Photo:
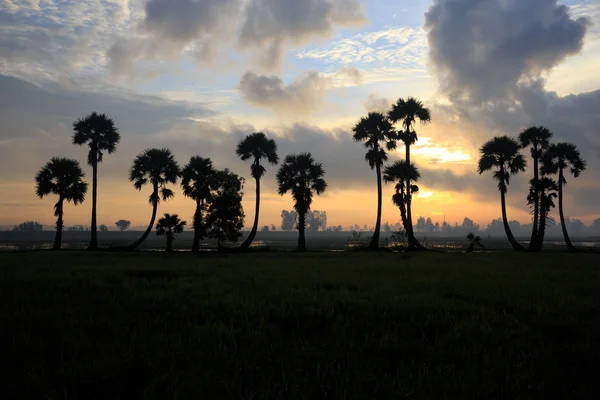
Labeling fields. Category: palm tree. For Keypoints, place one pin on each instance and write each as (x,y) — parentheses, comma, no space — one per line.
(257,147)
(538,137)
(557,158)
(64,178)
(100,134)
(168,226)
(402,172)
(378,135)
(302,176)
(503,152)
(157,166)
(197,180)
(543,191)
(407,112)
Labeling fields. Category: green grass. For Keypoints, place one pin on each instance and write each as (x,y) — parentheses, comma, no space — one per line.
(76,325)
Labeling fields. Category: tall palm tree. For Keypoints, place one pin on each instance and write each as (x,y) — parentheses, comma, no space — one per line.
(100,134)
(503,153)
(302,176)
(378,135)
(256,146)
(159,168)
(64,178)
(538,138)
(197,180)
(557,158)
(168,226)
(402,172)
(407,112)
(544,191)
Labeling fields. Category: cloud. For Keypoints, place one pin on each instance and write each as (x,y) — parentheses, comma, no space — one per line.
(269,24)
(481,50)
(300,96)
(378,104)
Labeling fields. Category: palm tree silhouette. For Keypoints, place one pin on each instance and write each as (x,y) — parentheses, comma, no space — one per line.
(544,191)
(538,137)
(302,176)
(503,152)
(100,134)
(372,130)
(557,158)
(197,180)
(64,178)
(257,147)
(473,240)
(402,172)
(159,168)
(407,112)
(168,226)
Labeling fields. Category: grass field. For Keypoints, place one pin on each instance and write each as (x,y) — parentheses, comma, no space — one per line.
(76,325)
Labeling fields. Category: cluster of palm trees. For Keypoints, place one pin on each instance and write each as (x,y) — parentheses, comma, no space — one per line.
(379,135)
(503,156)
(217,193)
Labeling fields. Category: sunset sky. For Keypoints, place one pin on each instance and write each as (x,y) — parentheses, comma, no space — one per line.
(196,76)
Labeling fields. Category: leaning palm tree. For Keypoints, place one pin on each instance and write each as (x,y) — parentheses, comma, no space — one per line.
(401,172)
(503,153)
(168,226)
(378,135)
(257,147)
(302,176)
(473,241)
(197,181)
(407,112)
(538,138)
(159,168)
(100,134)
(557,158)
(544,191)
(64,178)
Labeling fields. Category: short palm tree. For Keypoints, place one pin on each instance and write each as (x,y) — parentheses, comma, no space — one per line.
(503,153)
(407,112)
(473,241)
(378,135)
(538,138)
(303,177)
(100,134)
(544,191)
(557,158)
(401,172)
(197,179)
(168,226)
(257,147)
(64,178)
(159,168)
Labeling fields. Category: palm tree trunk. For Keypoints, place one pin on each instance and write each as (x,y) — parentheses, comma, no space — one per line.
(561,213)
(197,227)
(375,238)
(94,239)
(301,238)
(151,225)
(534,244)
(59,225)
(413,244)
(541,230)
(252,234)
(516,245)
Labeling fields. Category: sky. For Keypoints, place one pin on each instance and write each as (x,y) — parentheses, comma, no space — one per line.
(196,76)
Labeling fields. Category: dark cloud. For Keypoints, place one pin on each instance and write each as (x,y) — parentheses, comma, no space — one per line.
(482,49)
(271,23)
(300,96)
